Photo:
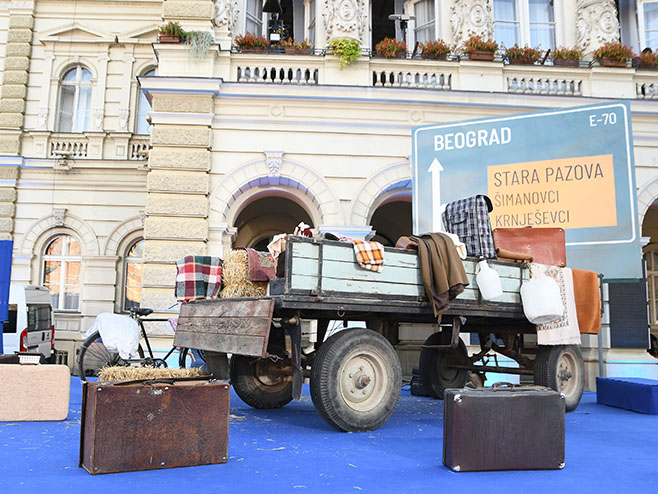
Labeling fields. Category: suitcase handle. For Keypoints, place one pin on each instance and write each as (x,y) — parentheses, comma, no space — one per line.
(162,380)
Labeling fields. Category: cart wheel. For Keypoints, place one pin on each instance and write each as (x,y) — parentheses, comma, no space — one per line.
(355,380)
(94,356)
(434,365)
(561,368)
(261,382)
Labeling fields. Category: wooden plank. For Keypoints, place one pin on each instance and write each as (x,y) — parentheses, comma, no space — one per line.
(240,345)
(240,326)
(351,270)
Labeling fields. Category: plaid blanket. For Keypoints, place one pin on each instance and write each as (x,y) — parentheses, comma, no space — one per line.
(198,277)
(369,255)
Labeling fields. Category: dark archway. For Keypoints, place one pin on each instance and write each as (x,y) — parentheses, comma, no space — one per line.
(391,221)
(265,217)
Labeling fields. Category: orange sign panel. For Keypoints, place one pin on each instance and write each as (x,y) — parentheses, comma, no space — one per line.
(569,193)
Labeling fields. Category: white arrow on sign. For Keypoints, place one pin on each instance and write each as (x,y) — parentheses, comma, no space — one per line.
(435,170)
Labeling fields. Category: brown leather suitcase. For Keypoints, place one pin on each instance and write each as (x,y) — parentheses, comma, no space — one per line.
(511,428)
(545,245)
(153,424)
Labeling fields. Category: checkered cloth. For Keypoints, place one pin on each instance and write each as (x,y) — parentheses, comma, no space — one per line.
(469,220)
(198,277)
(369,255)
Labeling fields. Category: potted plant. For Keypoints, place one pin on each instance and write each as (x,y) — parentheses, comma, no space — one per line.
(567,57)
(391,48)
(289,45)
(522,55)
(480,49)
(648,60)
(251,43)
(434,50)
(304,47)
(171,32)
(346,49)
(200,42)
(613,55)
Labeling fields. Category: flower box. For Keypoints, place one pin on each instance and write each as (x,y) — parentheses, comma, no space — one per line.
(482,55)
(168,38)
(565,62)
(611,62)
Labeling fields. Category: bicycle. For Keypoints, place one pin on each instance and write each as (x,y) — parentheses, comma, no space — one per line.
(94,355)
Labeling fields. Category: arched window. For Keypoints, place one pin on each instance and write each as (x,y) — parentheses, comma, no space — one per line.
(142,125)
(132,276)
(74,100)
(525,22)
(62,264)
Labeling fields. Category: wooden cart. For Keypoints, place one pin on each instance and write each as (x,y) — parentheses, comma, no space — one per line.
(355,374)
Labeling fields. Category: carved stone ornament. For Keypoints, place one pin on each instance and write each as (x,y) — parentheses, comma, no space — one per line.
(59,214)
(124,113)
(226,14)
(142,217)
(274,160)
(43,117)
(596,24)
(99,113)
(471,18)
(346,18)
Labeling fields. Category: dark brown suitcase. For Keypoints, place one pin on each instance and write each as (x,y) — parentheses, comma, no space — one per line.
(545,245)
(505,428)
(150,425)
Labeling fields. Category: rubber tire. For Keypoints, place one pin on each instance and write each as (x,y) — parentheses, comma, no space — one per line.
(253,390)
(333,366)
(551,361)
(183,363)
(436,379)
(93,347)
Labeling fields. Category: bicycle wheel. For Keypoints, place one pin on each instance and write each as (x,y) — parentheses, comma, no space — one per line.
(190,358)
(94,356)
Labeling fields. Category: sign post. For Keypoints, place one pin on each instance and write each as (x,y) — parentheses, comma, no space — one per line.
(571,168)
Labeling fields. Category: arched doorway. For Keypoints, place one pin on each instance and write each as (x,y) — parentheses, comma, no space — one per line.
(265,217)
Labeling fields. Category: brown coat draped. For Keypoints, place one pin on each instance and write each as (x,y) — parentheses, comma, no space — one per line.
(442,271)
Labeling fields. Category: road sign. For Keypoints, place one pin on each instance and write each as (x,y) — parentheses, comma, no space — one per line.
(571,168)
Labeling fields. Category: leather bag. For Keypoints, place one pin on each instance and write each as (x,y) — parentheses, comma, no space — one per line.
(545,245)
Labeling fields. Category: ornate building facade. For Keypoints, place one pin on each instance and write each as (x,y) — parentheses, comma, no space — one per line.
(120,154)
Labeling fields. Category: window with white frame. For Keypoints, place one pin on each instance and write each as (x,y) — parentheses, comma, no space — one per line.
(424,30)
(651,258)
(142,125)
(525,22)
(648,22)
(253,22)
(62,263)
(74,100)
(132,276)
(310,9)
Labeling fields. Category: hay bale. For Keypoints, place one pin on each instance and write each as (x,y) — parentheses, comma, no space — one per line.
(235,276)
(116,374)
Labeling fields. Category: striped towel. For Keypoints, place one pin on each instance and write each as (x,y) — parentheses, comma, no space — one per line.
(198,277)
(369,255)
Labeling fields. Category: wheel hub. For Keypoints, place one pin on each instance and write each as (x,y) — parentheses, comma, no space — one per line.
(362,382)
(565,372)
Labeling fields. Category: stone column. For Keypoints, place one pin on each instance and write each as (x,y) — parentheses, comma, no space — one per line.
(16,70)
(9,175)
(596,24)
(471,18)
(176,222)
(194,15)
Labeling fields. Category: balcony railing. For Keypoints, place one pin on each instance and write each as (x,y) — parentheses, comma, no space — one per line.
(67,145)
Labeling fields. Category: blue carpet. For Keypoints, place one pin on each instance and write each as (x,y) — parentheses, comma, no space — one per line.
(294,450)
